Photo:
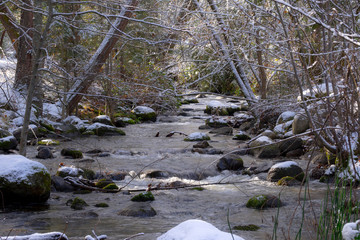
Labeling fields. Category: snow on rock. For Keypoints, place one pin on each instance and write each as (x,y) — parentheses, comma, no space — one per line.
(285,164)
(197,136)
(69,171)
(143,110)
(350,230)
(282,128)
(264,140)
(194,229)
(38,236)
(23,180)
(52,111)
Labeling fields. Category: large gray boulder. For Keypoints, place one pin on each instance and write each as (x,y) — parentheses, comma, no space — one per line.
(301,123)
(23,180)
(138,209)
(291,145)
(285,169)
(264,147)
(230,162)
(104,119)
(222,109)
(144,113)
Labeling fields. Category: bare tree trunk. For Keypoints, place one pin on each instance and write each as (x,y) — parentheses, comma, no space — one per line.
(93,68)
(262,73)
(236,68)
(24,55)
(34,77)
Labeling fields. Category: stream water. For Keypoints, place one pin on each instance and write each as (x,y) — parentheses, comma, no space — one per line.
(141,150)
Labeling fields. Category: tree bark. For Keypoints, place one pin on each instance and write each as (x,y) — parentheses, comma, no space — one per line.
(7,19)
(24,54)
(42,36)
(93,68)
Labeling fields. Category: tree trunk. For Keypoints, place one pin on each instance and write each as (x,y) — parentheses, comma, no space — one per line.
(7,19)
(93,68)
(24,54)
(42,36)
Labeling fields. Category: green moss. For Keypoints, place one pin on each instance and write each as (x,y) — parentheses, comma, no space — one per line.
(287,181)
(70,152)
(101,183)
(47,126)
(88,173)
(111,186)
(250,227)
(78,204)
(243,137)
(120,132)
(102,205)
(263,201)
(43,130)
(146,116)
(88,132)
(198,188)
(143,197)
(48,142)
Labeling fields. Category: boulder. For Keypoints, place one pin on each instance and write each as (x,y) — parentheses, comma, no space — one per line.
(61,185)
(268,117)
(263,201)
(290,145)
(144,113)
(101,129)
(209,151)
(195,229)
(157,174)
(285,169)
(71,171)
(283,128)
(8,143)
(202,144)
(230,162)
(221,109)
(301,124)
(264,147)
(241,135)
(4,133)
(71,153)
(241,118)
(222,131)
(44,153)
(285,117)
(32,129)
(268,133)
(123,121)
(218,122)
(23,180)
(197,136)
(104,119)
(138,209)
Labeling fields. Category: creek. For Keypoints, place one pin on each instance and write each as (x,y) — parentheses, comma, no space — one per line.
(140,150)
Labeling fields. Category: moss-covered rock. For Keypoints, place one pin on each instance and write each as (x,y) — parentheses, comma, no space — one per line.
(4,133)
(264,147)
(241,135)
(100,129)
(230,162)
(263,201)
(288,181)
(250,227)
(104,119)
(221,109)
(217,122)
(197,136)
(23,180)
(48,126)
(189,101)
(48,142)
(71,152)
(144,113)
(88,173)
(101,183)
(143,197)
(7,143)
(101,205)
(111,186)
(78,204)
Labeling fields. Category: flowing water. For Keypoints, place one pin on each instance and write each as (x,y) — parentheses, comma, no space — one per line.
(140,150)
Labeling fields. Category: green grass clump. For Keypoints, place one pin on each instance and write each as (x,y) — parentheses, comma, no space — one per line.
(197,188)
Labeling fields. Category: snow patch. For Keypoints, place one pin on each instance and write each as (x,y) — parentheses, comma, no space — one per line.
(286,164)
(194,229)
(16,168)
(95,126)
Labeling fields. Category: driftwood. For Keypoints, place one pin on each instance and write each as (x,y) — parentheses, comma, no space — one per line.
(38,236)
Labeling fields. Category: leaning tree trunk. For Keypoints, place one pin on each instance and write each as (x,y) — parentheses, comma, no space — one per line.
(93,68)
(7,19)
(227,53)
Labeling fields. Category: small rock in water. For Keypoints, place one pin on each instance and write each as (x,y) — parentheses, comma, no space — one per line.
(138,209)
(44,153)
(202,144)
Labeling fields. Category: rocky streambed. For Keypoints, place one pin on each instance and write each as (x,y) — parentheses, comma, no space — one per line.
(156,154)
